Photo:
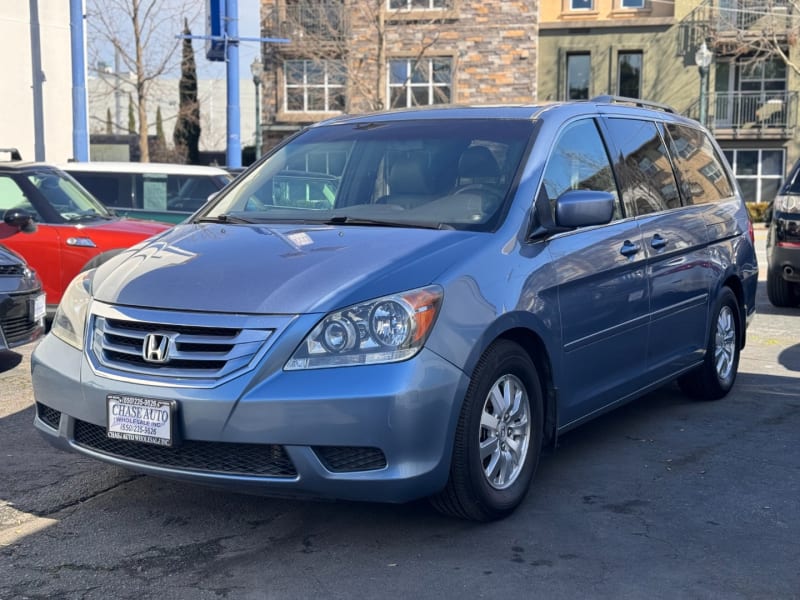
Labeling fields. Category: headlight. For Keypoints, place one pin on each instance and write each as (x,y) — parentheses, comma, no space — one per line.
(388,329)
(70,319)
(787,204)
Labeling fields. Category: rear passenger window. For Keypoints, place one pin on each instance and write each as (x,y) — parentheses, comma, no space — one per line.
(702,175)
(648,182)
(579,161)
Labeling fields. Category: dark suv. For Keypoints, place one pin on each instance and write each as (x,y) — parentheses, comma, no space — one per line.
(22,304)
(783,243)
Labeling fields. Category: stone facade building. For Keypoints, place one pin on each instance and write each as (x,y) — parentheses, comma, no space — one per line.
(362,55)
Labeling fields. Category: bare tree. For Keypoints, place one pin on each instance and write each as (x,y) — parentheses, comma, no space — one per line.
(754,31)
(144,34)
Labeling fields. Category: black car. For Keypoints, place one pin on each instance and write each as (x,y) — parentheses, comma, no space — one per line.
(783,243)
(22,301)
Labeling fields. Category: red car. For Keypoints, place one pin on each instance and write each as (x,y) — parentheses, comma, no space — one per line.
(73,230)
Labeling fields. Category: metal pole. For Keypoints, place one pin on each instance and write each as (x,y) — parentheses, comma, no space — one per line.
(703,97)
(257,82)
(80,135)
(234,152)
(38,80)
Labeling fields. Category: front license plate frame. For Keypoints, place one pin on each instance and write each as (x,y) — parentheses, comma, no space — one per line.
(37,308)
(139,419)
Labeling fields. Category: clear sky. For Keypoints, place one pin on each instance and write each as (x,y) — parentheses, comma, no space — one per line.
(248,27)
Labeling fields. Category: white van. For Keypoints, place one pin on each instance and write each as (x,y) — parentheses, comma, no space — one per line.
(156,191)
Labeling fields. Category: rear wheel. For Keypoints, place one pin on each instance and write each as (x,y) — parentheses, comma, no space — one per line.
(714,378)
(498,437)
(781,293)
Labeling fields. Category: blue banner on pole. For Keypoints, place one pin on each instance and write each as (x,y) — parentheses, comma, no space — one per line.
(215,29)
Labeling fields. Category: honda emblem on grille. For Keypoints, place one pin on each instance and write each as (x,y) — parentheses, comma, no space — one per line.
(156,348)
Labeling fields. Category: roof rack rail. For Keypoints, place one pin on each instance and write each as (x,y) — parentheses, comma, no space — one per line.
(12,152)
(636,102)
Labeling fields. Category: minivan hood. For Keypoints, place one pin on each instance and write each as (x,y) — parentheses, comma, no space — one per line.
(277,269)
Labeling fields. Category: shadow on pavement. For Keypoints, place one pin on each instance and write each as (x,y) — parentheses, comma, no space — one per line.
(9,360)
(790,358)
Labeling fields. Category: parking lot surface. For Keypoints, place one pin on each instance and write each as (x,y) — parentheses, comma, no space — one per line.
(663,498)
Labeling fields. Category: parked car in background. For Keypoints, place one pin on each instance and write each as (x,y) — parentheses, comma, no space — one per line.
(413,303)
(157,191)
(22,300)
(783,243)
(74,231)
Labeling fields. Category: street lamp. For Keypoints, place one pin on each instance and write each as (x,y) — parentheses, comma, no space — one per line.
(702,59)
(257,69)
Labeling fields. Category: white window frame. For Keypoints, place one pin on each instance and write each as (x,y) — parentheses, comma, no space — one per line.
(758,176)
(329,88)
(408,5)
(409,86)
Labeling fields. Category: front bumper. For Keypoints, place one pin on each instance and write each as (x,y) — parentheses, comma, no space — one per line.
(17,326)
(375,433)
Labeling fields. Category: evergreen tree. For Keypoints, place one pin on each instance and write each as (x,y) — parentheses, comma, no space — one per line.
(186,135)
(109,125)
(131,116)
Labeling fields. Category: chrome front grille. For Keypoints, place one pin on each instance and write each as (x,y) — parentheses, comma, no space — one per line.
(200,350)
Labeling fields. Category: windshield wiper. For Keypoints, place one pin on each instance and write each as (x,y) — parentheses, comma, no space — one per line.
(86,216)
(224,218)
(345,220)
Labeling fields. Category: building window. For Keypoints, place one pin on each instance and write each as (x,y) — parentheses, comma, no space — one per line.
(629,74)
(581,4)
(417,4)
(420,82)
(312,86)
(632,3)
(578,70)
(758,172)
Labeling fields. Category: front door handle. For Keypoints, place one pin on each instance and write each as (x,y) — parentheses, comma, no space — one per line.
(629,248)
(658,242)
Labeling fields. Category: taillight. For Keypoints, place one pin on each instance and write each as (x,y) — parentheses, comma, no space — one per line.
(752,231)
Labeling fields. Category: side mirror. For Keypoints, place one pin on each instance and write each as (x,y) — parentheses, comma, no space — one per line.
(582,208)
(19,219)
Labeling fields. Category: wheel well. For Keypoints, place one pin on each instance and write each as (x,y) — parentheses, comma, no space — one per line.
(736,287)
(537,352)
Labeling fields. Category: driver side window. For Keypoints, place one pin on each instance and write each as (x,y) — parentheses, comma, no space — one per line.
(12,196)
(579,161)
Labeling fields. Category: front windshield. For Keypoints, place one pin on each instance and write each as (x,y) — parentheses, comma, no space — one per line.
(69,199)
(453,173)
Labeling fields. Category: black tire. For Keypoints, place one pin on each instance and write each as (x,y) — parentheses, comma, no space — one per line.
(715,377)
(101,258)
(779,291)
(470,492)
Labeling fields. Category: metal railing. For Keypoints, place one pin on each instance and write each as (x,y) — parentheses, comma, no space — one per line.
(721,19)
(309,20)
(762,112)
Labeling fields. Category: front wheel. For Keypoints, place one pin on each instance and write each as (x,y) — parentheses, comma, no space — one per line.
(714,378)
(498,438)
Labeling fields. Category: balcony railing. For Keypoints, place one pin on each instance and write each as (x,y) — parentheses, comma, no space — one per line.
(725,21)
(764,114)
(309,21)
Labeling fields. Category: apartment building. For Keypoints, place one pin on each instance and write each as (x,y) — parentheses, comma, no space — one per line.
(744,89)
(364,55)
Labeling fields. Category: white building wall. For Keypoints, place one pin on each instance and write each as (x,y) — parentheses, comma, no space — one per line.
(164,93)
(16,90)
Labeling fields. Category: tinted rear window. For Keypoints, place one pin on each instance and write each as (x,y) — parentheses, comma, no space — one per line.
(702,174)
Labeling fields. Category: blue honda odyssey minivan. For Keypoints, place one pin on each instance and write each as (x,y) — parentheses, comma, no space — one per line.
(411,304)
